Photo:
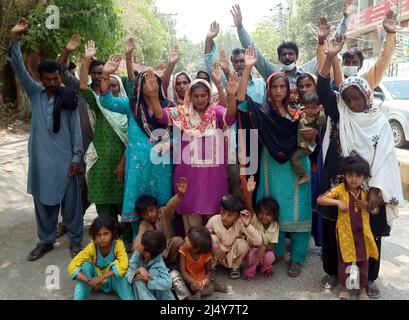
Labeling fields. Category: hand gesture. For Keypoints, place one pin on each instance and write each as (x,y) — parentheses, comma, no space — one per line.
(237,17)
(389,22)
(214,30)
(260,253)
(361,204)
(233,83)
(251,184)
(182,186)
(19,28)
(142,274)
(342,207)
(74,43)
(130,46)
(224,60)
(349,8)
(174,55)
(90,50)
(93,282)
(217,73)
(335,46)
(323,29)
(218,254)
(251,57)
(112,64)
(151,84)
(245,217)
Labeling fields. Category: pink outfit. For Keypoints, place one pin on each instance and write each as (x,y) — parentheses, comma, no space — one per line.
(266,264)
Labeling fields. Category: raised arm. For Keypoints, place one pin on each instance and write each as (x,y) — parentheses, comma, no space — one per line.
(90,52)
(265,67)
(349,8)
(376,73)
(217,78)
(152,98)
(67,78)
(323,33)
(251,60)
(28,83)
(232,87)
(174,55)
(129,49)
(211,50)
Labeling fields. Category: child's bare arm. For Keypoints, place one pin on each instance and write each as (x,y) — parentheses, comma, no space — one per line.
(323,201)
(138,239)
(170,208)
(182,268)
(81,277)
(248,199)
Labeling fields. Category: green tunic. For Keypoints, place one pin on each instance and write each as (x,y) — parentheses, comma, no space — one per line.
(103,187)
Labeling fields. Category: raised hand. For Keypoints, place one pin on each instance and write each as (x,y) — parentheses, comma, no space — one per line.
(390,22)
(130,46)
(251,184)
(237,17)
(74,43)
(233,83)
(335,46)
(224,60)
(349,8)
(217,73)
(251,57)
(174,54)
(90,50)
(245,217)
(112,64)
(151,84)
(19,28)
(214,30)
(182,186)
(323,30)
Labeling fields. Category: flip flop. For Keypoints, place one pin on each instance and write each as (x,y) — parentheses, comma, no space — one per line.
(344,295)
(39,251)
(294,269)
(235,274)
(372,290)
(75,249)
(329,282)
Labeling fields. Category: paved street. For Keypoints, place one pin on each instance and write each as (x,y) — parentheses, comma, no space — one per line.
(20,279)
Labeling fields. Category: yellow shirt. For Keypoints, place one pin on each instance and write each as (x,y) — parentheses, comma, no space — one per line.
(345,234)
(269,235)
(119,265)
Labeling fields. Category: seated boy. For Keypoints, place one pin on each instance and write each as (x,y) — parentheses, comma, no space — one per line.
(155,218)
(229,231)
(147,273)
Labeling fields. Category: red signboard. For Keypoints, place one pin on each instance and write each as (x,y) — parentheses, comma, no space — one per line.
(375,13)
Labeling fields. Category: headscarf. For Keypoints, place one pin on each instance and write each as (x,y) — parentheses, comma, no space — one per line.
(148,123)
(369,134)
(176,99)
(187,119)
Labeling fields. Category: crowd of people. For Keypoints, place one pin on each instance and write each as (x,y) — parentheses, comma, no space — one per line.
(172,156)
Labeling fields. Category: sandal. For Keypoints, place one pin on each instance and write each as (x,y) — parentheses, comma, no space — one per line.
(372,290)
(344,294)
(235,274)
(39,251)
(294,269)
(329,282)
(75,249)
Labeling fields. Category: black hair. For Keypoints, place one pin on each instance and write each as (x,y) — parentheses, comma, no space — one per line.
(351,53)
(305,76)
(288,45)
(311,99)
(232,204)
(270,205)
(49,66)
(200,239)
(208,79)
(105,222)
(154,242)
(355,163)
(200,86)
(96,63)
(238,51)
(144,202)
(72,65)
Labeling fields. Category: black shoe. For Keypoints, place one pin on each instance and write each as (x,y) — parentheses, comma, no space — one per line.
(61,230)
(39,251)
(75,248)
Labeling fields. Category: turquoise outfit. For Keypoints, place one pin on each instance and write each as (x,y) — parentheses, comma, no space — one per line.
(142,176)
(117,284)
(160,284)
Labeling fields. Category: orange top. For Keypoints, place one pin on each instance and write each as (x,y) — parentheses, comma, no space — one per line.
(196,269)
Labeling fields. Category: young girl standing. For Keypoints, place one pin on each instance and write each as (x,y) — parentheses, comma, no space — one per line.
(356,243)
(102,265)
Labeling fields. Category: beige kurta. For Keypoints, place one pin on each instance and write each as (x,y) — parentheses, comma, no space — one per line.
(232,241)
(270,235)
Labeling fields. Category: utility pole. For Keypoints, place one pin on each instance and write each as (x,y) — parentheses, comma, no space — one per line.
(281,18)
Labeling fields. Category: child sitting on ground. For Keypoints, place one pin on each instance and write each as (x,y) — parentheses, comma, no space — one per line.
(155,218)
(313,117)
(265,221)
(195,277)
(356,243)
(102,265)
(230,231)
(147,273)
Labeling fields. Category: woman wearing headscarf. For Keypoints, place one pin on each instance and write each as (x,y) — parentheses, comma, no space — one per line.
(143,175)
(355,125)
(278,132)
(198,127)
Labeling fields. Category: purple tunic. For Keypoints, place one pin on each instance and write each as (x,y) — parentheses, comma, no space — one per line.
(203,162)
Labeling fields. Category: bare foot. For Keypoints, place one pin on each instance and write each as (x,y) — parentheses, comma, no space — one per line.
(303,180)
(220,287)
(269,273)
